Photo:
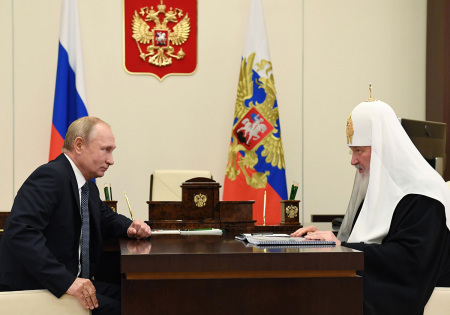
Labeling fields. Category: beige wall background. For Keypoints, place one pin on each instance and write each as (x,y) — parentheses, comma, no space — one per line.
(324,54)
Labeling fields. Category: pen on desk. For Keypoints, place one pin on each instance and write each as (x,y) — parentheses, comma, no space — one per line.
(264,209)
(129,207)
(110,192)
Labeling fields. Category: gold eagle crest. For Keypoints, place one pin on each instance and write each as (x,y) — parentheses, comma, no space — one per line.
(160,38)
(200,200)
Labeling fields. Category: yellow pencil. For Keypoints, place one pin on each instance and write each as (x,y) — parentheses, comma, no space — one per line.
(129,207)
(264,209)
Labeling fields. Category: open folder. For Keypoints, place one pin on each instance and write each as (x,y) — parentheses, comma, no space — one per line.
(280,239)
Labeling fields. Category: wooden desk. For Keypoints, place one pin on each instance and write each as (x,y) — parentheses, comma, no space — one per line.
(173,274)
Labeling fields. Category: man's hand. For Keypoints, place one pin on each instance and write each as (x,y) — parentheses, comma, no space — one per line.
(312,233)
(84,291)
(304,230)
(139,229)
(323,236)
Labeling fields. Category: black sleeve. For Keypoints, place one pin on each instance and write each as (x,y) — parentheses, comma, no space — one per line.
(32,210)
(112,224)
(401,273)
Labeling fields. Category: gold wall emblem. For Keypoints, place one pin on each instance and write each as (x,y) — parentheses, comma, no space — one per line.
(292,211)
(349,130)
(200,200)
(160,37)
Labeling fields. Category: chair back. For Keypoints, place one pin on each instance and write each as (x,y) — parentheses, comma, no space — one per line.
(439,302)
(39,302)
(165,185)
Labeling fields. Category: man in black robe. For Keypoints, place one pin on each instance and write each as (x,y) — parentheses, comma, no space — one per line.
(398,215)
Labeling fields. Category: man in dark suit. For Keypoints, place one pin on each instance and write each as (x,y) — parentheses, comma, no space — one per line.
(41,247)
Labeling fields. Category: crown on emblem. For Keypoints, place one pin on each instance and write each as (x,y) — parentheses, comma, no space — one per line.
(161,7)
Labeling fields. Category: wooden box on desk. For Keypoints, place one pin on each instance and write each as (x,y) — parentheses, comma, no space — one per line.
(200,208)
(237,215)
(200,199)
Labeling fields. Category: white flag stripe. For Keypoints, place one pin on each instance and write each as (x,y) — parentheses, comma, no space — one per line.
(70,39)
(256,35)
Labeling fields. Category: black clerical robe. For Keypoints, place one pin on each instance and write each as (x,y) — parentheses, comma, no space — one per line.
(400,273)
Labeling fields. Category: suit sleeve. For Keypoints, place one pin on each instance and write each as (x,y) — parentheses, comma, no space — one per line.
(32,211)
(113,225)
(400,274)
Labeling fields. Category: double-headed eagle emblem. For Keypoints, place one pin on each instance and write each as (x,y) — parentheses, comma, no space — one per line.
(291,211)
(160,38)
(200,200)
(256,125)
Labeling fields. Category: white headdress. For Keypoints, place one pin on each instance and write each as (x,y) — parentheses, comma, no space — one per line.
(396,169)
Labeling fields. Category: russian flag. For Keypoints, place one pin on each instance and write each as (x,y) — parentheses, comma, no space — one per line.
(256,168)
(70,89)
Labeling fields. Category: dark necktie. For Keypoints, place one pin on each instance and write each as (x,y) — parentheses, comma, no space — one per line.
(84,231)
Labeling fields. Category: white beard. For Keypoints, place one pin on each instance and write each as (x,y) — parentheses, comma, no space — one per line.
(360,189)
(358,194)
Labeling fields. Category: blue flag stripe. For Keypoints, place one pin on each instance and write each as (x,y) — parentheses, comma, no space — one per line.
(68,105)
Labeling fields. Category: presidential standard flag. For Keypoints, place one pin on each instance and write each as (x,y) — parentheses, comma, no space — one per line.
(256,167)
(70,90)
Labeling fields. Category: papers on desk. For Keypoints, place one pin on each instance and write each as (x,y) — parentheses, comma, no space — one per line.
(201,232)
(280,239)
(189,232)
(157,232)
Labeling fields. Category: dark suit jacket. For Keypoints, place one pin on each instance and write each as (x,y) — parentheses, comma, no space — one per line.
(39,247)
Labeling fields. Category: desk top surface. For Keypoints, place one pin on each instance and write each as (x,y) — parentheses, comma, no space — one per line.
(192,252)
(213,245)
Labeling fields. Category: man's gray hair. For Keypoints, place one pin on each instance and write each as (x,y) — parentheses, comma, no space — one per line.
(84,128)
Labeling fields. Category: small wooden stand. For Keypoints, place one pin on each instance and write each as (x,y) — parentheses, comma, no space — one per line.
(290,210)
(112,204)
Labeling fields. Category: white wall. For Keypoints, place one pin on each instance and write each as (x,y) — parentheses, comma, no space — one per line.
(324,55)
(349,44)
(6,106)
